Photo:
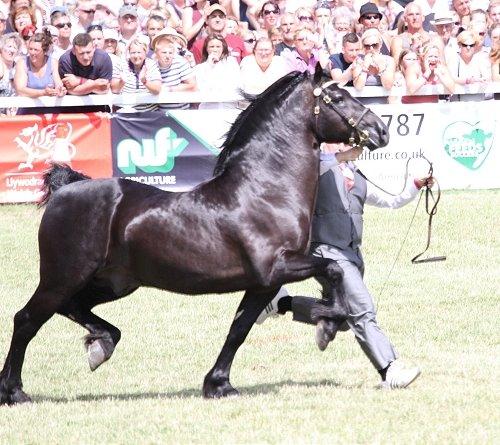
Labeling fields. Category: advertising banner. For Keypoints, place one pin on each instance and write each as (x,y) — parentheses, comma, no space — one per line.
(160,150)
(30,143)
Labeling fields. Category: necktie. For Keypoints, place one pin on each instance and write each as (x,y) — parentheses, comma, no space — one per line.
(348,176)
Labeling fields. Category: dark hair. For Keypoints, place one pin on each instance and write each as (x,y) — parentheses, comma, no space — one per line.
(56,15)
(44,37)
(94,28)
(350,37)
(210,37)
(276,7)
(82,39)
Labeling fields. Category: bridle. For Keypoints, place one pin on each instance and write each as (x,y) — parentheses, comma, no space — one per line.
(320,94)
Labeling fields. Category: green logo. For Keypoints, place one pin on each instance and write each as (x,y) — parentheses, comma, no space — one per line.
(152,155)
(468,144)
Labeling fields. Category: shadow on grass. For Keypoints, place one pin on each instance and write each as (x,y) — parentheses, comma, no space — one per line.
(253,390)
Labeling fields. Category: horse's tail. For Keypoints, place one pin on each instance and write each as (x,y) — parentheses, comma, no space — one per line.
(56,177)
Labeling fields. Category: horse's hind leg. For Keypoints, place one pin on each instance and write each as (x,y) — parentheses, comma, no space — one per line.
(216,383)
(103,336)
(39,309)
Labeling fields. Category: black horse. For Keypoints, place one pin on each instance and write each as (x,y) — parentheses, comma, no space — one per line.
(245,229)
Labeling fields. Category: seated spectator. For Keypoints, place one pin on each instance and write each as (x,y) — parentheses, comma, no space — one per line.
(61,20)
(469,66)
(37,74)
(431,70)
(9,51)
(219,71)
(176,72)
(287,28)
(216,24)
(139,74)
(341,64)
(261,69)
(85,69)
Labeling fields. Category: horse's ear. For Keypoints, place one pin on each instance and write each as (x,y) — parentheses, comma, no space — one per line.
(318,73)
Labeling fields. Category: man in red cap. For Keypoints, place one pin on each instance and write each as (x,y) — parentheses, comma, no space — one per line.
(216,24)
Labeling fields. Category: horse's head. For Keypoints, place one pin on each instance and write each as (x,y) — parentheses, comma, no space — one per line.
(338,117)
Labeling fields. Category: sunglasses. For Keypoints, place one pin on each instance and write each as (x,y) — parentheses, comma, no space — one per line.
(371,17)
(63,25)
(464,45)
(250,40)
(306,18)
(88,11)
(370,45)
(271,11)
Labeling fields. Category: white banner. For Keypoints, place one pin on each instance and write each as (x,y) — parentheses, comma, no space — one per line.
(459,138)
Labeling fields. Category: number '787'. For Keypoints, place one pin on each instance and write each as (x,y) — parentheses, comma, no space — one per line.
(404,126)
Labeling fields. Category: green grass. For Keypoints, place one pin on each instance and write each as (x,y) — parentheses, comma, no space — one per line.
(441,316)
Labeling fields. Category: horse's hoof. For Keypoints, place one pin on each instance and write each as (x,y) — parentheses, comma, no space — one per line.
(15,397)
(218,391)
(99,350)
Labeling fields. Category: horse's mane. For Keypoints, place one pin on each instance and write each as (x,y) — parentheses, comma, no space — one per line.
(260,108)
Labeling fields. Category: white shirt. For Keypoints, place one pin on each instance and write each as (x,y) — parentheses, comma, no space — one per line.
(254,80)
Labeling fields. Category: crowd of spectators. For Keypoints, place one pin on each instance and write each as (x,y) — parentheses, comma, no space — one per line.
(81,47)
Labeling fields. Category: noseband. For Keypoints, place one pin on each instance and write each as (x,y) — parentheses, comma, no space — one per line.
(320,94)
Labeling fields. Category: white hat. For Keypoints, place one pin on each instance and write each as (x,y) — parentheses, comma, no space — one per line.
(442,18)
(109,33)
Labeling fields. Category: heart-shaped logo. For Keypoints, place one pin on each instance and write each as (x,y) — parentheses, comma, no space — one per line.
(469,144)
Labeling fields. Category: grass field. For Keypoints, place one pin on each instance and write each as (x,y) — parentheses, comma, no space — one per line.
(441,316)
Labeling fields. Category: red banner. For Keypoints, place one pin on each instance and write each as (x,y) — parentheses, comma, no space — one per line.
(30,143)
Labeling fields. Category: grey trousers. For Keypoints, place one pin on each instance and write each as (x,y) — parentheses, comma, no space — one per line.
(361,317)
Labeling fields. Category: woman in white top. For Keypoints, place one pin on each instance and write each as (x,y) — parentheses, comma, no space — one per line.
(218,73)
(263,68)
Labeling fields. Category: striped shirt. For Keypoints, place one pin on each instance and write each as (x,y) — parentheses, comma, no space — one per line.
(133,82)
(175,74)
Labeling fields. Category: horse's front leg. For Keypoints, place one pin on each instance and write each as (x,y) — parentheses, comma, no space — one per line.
(216,383)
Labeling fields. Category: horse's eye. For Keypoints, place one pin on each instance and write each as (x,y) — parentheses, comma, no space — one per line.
(337,98)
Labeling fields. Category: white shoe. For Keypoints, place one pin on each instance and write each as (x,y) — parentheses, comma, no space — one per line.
(271,310)
(398,376)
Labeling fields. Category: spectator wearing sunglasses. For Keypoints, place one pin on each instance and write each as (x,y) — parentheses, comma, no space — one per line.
(288,26)
(469,67)
(60,19)
(374,68)
(269,16)
(84,16)
(305,17)
(262,68)
(305,56)
(369,18)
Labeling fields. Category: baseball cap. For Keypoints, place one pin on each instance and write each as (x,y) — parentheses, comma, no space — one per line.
(109,33)
(216,7)
(127,10)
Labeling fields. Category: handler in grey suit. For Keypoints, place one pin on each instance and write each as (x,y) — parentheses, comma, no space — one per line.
(337,230)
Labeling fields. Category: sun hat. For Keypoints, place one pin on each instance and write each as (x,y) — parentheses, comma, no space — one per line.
(216,7)
(110,34)
(442,18)
(369,8)
(169,32)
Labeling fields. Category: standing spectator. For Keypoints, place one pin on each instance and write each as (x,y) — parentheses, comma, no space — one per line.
(495,59)
(341,64)
(494,12)
(85,69)
(261,69)
(194,15)
(176,72)
(407,58)
(3,22)
(216,24)
(443,24)
(106,13)
(391,10)
(269,16)
(374,68)
(10,45)
(249,39)
(21,18)
(37,74)
(324,25)
(415,36)
(84,14)
(110,37)
(343,23)
(305,18)
(139,74)
(287,27)
(431,71)
(429,9)
(369,18)
(462,8)
(219,72)
(469,67)
(154,24)
(61,20)
(128,26)
(304,57)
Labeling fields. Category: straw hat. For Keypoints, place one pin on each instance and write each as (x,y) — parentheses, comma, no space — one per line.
(442,18)
(169,32)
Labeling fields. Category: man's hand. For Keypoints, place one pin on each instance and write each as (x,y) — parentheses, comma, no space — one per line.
(101,85)
(70,81)
(427,181)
